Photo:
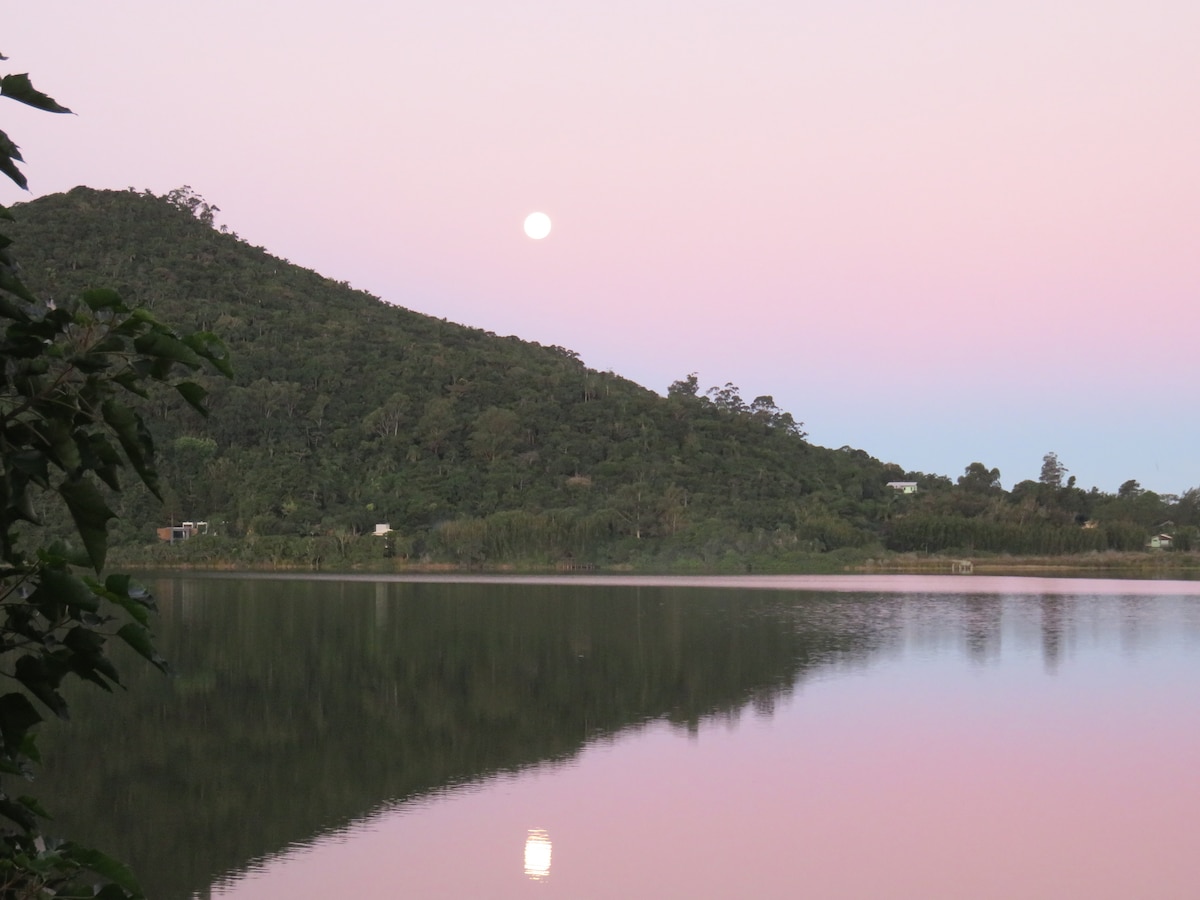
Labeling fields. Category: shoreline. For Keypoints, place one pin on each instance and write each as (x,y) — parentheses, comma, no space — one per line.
(1149,566)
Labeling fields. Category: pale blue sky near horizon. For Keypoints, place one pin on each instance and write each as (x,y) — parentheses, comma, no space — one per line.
(935,232)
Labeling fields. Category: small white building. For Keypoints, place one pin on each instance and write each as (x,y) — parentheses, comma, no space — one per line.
(382,528)
(174,533)
(903,487)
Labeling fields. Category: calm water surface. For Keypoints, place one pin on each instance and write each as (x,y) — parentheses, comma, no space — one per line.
(827,737)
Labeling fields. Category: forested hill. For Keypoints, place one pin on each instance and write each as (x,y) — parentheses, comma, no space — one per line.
(347,411)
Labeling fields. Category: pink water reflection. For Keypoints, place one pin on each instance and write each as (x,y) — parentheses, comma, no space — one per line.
(924,775)
(1006,585)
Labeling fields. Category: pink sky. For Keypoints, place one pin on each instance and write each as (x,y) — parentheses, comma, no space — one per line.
(941,232)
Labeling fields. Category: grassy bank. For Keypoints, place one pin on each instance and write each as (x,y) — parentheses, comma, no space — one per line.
(223,554)
(1149,564)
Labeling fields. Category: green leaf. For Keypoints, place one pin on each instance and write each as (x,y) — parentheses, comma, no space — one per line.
(115,892)
(103,298)
(21,89)
(138,320)
(99,451)
(60,586)
(91,515)
(18,813)
(194,394)
(129,380)
(91,362)
(73,556)
(113,343)
(9,156)
(212,348)
(95,861)
(134,601)
(88,659)
(8,148)
(32,804)
(138,638)
(9,282)
(62,447)
(29,749)
(19,499)
(9,169)
(42,675)
(162,345)
(135,440)
(17,716)
(139,612)
(118,583)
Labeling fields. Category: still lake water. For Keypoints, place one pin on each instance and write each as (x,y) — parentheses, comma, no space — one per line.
(831,737)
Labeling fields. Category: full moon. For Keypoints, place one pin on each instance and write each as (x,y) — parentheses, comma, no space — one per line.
(537,225)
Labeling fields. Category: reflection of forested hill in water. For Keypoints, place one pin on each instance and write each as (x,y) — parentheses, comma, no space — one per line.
(299,706)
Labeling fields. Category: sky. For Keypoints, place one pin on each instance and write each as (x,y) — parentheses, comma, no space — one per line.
(941,232)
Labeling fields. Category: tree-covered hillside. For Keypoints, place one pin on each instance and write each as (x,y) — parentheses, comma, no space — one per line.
(347,411)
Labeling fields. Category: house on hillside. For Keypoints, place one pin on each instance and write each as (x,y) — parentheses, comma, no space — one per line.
(903,487)
(1160,542)
(382,529)
(181,532)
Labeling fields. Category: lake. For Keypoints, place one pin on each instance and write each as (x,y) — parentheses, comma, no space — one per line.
(835,736)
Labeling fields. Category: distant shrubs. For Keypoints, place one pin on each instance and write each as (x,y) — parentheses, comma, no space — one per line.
(939,534)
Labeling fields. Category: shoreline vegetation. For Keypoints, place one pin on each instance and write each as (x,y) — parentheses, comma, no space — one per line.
(198,558)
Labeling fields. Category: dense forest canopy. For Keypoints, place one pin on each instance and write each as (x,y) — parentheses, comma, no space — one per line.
(347,412)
